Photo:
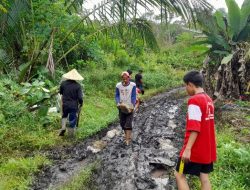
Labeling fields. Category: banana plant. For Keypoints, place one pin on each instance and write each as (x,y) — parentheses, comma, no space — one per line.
(225,30)
(229,37)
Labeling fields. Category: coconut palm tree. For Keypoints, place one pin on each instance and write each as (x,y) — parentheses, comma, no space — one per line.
(112,15)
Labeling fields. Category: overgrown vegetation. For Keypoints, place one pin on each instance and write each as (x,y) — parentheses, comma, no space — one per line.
(231,171)
(17,173)
(227,66)
(100,47)
(83,180)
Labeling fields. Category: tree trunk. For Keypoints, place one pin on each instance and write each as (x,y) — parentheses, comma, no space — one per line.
(232,79)
(208,75)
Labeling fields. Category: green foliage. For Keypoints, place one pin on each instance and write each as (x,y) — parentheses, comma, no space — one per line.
(110,44)
(27,30)
(233,17)
(223,31)
(245,9)
(156,79)
(97,113)
(233,164)
(19,127)
(122,58)
(83,180)
(34,92)
(3,5)
(93,51)
(185,54)
(136,48)
(231,170)
(243,103)
(18,173)
(220,21)
(11,106)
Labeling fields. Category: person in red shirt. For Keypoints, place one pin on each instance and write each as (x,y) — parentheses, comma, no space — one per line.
(199,149)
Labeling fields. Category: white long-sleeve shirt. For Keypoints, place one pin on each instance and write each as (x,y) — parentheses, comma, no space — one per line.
(126,94)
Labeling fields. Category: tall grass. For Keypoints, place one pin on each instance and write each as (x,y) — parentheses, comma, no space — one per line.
(233,165)
(17,173)
(231,171)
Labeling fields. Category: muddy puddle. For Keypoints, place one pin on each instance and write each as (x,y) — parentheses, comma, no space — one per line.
(148,163)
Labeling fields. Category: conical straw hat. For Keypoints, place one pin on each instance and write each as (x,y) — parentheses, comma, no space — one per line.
(72,75)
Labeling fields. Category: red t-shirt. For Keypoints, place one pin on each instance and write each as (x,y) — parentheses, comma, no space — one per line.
(200,118)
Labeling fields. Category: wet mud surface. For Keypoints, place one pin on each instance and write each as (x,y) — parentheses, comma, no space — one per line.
(148,163)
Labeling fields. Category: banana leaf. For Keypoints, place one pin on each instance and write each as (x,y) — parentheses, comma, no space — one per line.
(245,13)
(234,16)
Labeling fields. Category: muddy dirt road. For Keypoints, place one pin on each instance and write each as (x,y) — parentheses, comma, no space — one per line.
(148,163)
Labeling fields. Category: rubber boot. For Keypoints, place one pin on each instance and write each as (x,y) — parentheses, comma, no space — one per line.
(71,132)
(63,129)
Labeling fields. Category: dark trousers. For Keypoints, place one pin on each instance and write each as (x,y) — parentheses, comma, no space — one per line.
(71,113)
(126,120)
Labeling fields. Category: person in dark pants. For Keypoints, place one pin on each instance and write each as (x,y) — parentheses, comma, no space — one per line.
(125,97)
(139,82)
(199,149)
(72,100)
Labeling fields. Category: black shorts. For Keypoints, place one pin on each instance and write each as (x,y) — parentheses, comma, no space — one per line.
(126,120)
(193,168)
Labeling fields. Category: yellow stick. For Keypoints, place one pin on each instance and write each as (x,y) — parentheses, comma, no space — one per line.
(181,168)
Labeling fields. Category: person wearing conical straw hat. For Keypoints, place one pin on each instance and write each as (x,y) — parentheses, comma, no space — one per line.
(125,97)
(72,100)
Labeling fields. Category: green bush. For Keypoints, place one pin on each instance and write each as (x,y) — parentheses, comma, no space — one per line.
(233,165)
(121,58)
(18,173)
(231,171)
(11,104)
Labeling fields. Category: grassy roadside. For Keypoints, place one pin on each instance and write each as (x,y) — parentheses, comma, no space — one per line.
(231,171)
(17,173)
(26,135)
(83,180)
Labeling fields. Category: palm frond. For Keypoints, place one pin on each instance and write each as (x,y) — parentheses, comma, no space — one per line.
(143,28)
(10,23)
(73,5)
(5,59)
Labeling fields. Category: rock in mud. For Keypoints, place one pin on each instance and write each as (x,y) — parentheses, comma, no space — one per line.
(63,168)
(111,134)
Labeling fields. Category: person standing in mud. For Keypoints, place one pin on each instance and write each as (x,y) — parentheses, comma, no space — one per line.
(199,150)
(72,100)
(125,97)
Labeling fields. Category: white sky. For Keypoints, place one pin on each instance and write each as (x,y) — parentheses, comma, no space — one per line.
(221,3)
(216,3)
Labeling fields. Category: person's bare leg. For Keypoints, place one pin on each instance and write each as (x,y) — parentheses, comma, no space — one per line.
(137,106)
(129,132)
(181,181)
(205,183)
(126,137)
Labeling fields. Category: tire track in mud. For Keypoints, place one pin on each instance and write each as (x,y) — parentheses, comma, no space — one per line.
(148,163)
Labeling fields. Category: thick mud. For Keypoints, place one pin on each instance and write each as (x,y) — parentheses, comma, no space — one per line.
(148,163)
